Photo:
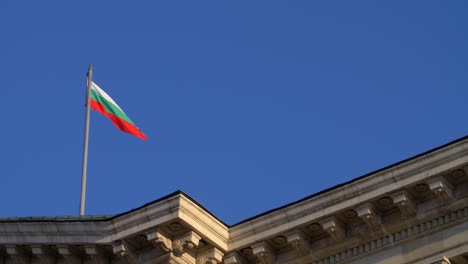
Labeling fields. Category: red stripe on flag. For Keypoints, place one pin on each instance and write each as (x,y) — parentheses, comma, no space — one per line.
(118,122)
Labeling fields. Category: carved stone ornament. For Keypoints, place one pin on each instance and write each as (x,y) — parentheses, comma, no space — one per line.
(44,254)
(188,241)
(68,254)
(19,255)
(247,251)
(264,253)
(98,255)
(298,242)
(465,170)
(421,188)
(442,189)
(280,240)
(315,228)
(385,201)
(350,214)
(405,203)
(119,248)
(175,226)
(444,260)
(234,258)
(369,216)
(458,174)
(125,251)
(334,228)
(210,256)
(159,240)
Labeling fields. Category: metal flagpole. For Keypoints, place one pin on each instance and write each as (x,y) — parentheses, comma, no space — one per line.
(85,149)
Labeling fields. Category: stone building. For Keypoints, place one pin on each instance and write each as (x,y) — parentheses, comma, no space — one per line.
(414,211)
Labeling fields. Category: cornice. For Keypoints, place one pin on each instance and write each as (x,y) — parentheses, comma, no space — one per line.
(52,232)
(144,218)
(350,195)
(403,235)
(203,222)
(175,208)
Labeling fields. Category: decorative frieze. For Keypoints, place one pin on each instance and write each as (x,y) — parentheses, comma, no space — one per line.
(264,253)
(405,203)
(442,189)
(334,228)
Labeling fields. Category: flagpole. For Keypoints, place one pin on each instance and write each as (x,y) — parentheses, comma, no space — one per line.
(85,149)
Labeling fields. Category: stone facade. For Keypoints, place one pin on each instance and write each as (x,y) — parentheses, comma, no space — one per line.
(415,211)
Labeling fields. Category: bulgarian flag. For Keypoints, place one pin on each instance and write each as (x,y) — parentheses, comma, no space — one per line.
(103,103)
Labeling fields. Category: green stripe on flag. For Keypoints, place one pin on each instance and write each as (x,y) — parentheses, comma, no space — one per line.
(110,107)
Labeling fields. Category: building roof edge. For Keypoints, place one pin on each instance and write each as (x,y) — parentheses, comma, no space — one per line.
(353,180)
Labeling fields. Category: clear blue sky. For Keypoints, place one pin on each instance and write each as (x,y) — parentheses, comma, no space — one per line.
(247,105)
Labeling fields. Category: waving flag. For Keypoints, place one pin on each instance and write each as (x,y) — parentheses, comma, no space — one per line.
(103,103)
